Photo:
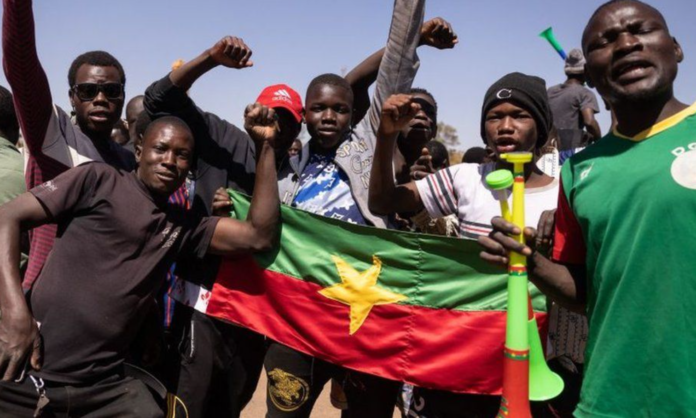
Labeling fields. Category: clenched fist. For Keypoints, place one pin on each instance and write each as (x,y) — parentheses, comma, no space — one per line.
(261,123)
(397,112)
(231,52)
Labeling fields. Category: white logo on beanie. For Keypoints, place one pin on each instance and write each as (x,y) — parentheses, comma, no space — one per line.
(504,94)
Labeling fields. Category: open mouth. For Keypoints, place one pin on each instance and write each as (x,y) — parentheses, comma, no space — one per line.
(420,127)
(503,145)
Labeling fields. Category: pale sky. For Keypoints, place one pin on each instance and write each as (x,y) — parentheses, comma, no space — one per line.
(293,41)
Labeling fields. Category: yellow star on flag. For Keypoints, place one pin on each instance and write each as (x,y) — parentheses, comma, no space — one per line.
(359,290)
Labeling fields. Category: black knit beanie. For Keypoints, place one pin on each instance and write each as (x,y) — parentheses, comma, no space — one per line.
(528,92)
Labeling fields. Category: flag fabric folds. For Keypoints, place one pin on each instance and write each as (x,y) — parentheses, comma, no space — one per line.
(416,308)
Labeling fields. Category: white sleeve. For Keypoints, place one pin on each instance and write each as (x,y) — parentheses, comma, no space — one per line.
(438,194)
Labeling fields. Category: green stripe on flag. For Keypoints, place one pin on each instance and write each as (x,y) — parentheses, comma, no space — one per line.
(431,271)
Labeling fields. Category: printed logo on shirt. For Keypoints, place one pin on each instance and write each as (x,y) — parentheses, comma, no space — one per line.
(169,237)
(586,172)
(684,166)
(50,186)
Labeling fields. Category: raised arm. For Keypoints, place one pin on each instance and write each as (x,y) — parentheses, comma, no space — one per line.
(259,231)
(399,64)
(32,95)
(168,95)
(437,33)
(385,196)
(19,335)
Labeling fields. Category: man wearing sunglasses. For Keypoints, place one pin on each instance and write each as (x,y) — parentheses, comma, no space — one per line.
(54,144)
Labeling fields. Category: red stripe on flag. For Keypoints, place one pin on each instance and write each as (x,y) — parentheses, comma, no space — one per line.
(433,348)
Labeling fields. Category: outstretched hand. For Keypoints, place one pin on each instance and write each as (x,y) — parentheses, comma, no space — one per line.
(19,340)
(397,112)
(423,165)
(231,52)
(261,123)
(438,33)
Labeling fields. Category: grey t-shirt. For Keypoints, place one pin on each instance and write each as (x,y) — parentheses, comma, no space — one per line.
(567,101)
(114,244)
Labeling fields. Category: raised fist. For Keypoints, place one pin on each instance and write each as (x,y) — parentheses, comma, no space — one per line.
(261,123)
(397,112)
(438,33)
(231,52)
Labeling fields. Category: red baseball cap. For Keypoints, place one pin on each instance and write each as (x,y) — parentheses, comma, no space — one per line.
(281,95)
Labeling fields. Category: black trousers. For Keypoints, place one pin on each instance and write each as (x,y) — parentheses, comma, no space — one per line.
(295,381)
(213,367)
(113,397)
(440,404)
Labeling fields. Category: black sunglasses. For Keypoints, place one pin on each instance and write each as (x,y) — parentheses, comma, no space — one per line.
(88,91)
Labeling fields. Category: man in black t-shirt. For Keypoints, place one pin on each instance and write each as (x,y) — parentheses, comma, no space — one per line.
(116,238)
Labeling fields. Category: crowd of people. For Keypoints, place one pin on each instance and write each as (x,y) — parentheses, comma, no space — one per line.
(101,217)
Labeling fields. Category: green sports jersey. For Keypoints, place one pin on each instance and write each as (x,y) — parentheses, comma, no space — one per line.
(627,210)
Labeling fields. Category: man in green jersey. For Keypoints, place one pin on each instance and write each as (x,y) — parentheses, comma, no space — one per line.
(625,226)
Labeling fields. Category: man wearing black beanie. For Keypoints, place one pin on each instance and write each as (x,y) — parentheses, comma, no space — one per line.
(528,92)
(515,117)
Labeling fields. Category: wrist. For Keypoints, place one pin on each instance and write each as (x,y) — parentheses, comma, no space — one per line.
(386,134)
(207,61)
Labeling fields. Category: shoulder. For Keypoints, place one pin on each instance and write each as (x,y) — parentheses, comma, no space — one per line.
(464,176)
(555,89)
(98,169)
(224,132)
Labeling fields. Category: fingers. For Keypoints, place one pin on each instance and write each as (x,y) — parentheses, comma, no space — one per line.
(36,359)
(423,166)
(493,252)
(438,33)
(233,52)
(545,230)
(401,107)
(419,172)
(221,202)
(500,224)
(501,234)
(14,367)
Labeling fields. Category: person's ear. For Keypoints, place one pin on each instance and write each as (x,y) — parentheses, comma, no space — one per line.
(71,95)
(588,79)
(138,150)
(678,50)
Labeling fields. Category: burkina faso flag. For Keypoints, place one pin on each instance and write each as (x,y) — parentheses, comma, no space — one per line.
(416,308)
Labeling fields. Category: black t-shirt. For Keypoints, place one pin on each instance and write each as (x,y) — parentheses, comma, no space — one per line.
(113,248)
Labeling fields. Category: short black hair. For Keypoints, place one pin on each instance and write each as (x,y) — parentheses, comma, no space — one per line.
(330,80)
(612,2)
(96,58)
(419,90)
(438,152)
(168,121)
(475,155)
(8,116)
(142,123)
